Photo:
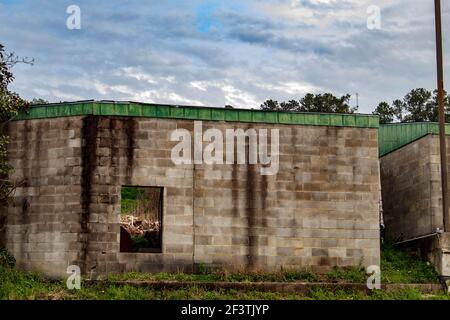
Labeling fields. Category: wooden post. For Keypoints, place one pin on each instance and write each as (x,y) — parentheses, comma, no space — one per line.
(440,86)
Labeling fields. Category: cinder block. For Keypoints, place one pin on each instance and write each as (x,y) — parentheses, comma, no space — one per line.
(295,218)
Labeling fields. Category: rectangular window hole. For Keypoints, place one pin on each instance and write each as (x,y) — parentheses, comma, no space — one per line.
(141,222)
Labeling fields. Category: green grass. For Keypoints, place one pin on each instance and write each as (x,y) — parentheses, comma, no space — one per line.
(403,266)
(351,275)
(15,284)
(337,275)
(286,276)
(6,259)
(397,267)
(134,197)
(403,294)
(130,198)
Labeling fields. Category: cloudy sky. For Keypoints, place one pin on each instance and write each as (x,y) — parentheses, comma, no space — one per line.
(238,52)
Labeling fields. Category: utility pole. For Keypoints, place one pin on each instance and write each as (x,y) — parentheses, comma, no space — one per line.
(357,100)
(440,86)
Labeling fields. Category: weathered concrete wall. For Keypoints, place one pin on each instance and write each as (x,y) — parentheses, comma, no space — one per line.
(412,199)
(437,250)
(411,189)
(41,226)
(320,210)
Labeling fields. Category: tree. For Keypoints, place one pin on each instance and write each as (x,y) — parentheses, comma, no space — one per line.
(419,105)
(327,103)
(270,105)
(433,113)
(386,112)
(43,101)
(291,105)
(416,104)
(397,105)
(10,106)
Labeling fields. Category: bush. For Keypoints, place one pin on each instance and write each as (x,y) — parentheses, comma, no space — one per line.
(140,242)
(6,259)
(405,266)
(352,275)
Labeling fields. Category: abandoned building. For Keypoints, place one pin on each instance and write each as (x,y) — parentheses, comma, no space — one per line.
(76,163)
(411,189)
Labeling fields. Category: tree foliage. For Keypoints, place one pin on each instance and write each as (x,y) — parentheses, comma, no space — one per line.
(419,105)
(326,103)
(36,101)
(10,106)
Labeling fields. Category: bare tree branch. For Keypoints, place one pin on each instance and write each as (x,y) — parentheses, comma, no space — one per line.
(12,59)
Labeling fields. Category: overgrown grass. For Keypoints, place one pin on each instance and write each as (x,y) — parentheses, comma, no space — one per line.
(403,294)
(286,276)
(397,267)
(15,284)
(404,266)
(196,293)
(6,259)
(351,275)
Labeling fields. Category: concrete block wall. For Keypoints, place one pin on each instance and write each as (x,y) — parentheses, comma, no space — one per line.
(320,210)
(411,189)
(412,199)
(136,152)
(437,250)
(41,226)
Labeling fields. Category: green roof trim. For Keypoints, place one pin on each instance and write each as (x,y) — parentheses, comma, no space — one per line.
(133,109)
(395,136)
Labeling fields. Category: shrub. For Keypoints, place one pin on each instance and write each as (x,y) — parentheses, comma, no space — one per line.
(6,259)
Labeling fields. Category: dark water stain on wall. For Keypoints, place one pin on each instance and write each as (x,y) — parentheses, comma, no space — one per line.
(235,189)
(88,163)
(254,187)
(130,131)
(255,191)
(30,159)
(263,187)
(3,205)
(251,209)
(3,222)
(114,149)
(121,129)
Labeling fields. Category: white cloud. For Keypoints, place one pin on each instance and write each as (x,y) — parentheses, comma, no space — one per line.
(101,87)
(136,73)
(237,97)
(200,85)
(255,50)
(292,88)
(156,96)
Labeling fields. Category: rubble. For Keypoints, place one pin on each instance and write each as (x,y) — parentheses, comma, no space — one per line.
(136,226)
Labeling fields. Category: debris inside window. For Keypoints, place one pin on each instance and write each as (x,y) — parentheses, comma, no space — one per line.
(141,219)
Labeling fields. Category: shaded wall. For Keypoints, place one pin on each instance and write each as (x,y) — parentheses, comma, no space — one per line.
(411,189)
(42,224)
(320,210)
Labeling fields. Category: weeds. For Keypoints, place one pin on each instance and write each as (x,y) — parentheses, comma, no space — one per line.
(397,267)
(6,259)
(403,266)
(352,275)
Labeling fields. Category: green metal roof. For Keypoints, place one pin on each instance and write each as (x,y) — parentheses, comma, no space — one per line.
(391,136)
(394,136)
(133,109)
